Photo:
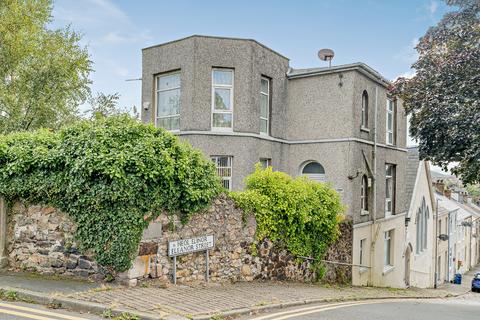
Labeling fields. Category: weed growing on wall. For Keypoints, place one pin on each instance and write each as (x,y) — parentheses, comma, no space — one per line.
(299,214)
(112,176)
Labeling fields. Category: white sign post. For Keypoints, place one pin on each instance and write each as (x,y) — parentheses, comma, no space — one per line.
(185,246)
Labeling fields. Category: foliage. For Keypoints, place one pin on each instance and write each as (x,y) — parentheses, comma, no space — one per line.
(103,105)
(473,190)
(111,176)
(43,73)
(443,98)
(299,214)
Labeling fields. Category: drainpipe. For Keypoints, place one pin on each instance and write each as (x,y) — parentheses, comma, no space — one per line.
(435,259)
(374,185)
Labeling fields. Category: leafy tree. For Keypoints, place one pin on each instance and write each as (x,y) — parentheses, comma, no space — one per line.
(103,105)
(43,73)
(443,98)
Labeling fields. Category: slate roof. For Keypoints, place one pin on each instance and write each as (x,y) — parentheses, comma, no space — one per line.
(413,161)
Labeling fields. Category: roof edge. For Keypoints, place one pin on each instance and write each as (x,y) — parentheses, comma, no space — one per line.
(358,66)
(216,37)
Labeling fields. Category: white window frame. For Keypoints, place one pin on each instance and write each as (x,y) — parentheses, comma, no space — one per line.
(388,249)
(265,162)
(390,136)
(222,86)
(362,251)
(267,94)
(229,166)
(390,199)
(157,90)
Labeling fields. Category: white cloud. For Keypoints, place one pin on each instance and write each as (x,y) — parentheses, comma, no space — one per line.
(432,7)
(408,54)
(118,37)
(110,9)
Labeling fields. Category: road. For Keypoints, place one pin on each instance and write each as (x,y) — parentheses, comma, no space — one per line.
(466,307)
(26,311)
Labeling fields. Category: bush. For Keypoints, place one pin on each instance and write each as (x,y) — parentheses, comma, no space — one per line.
(299,214)
(112,176)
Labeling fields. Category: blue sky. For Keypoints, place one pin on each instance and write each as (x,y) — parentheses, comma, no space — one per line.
(381,33)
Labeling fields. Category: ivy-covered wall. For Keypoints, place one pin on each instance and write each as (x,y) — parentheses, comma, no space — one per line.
(237,255)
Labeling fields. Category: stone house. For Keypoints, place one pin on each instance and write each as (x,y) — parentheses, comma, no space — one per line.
(241,103)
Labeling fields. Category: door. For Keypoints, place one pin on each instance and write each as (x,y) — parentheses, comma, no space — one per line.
(408,253)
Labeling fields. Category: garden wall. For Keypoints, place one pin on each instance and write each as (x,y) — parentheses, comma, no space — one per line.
(234,258)
(40,239)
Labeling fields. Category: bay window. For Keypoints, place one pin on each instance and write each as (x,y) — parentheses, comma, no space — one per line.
(167,101)
(264,105)
(222,99)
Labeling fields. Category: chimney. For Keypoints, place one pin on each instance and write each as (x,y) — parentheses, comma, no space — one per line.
(447,193)
(439,185)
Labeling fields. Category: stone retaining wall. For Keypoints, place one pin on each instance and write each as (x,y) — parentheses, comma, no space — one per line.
(40,239)
(235,257)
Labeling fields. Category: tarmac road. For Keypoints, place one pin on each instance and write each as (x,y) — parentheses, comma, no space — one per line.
(466,307)
(27,311)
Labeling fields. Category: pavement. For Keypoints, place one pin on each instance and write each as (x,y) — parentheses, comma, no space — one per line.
(153,300)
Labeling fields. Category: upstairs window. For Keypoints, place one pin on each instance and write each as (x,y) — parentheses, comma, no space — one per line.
(264,105)
(224,170)
(390,121)
(365,109)
(222,99)
(364,194)
(167,100)
(314,171)
(389,189)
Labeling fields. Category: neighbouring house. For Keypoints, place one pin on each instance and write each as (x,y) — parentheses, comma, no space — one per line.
(458,252)
(419,250)
(241,103)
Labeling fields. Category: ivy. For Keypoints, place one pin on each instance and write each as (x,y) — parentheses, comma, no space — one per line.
(112,176)
(299,214)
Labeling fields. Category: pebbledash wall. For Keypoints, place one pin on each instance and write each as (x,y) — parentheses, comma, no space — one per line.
(40,239)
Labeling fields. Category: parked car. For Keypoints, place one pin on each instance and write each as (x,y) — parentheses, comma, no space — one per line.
(476,282)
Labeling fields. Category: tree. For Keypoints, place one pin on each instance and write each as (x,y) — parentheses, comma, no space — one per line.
(43,73)
(443,98)
(103,105)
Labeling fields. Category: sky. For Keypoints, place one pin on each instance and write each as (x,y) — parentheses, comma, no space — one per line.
(380,33)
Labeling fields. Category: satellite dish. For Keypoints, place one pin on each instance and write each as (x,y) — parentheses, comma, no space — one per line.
(326,55)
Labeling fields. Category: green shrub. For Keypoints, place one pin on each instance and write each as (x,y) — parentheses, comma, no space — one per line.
(112,176)
(299,214)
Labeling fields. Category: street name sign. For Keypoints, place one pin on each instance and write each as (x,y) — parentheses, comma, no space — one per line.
(185,246)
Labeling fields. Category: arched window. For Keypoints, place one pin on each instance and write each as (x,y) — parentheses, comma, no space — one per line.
(314,171)
(364,194)
(422,226)
(365,109)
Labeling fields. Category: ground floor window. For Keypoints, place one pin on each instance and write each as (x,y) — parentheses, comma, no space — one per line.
(224,170)
(388,248)
(362,251)
(265,162)
(314,171)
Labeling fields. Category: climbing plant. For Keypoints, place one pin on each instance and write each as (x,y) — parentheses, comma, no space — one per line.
(299,214)
(112,176)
